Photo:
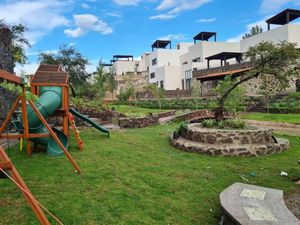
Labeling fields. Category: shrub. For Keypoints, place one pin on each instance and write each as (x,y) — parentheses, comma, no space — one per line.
(233,124)
(236,123)
(209,123)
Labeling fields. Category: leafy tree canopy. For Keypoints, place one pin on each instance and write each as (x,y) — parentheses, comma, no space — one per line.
(72,61)
(281,61)
(19,42)
(254,31)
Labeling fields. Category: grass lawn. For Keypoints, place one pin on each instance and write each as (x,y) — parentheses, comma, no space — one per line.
(136,177)
(132,111)
(286,118)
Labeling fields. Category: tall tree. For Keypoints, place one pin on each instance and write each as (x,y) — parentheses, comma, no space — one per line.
(253,31)
(19,42)
(196,91)
(111,83)
(72,61)
(281,61)
(101,79)
(157,92)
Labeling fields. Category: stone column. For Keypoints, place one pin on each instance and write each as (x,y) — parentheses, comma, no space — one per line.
(6,57)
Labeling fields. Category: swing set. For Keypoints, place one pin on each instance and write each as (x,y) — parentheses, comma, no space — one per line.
(48,83)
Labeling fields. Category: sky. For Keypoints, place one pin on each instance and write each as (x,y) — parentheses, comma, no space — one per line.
(100,29)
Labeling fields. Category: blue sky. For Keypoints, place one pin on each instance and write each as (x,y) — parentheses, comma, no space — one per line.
(100,28)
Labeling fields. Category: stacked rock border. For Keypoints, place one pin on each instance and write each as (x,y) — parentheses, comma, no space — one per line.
(215,142)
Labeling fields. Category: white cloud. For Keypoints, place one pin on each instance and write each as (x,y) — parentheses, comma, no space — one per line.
(269,6)
(175,7)
(85,6)
(208,20)
(176,37)
(88,22)
(163,17)
(126,2)
(40,16)
(114,14)
(27,69)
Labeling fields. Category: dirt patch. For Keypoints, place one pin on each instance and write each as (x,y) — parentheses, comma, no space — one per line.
(292,201)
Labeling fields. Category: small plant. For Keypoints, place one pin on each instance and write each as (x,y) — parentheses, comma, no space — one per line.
(209,123)
(236,123)
(231,124)
(180,129)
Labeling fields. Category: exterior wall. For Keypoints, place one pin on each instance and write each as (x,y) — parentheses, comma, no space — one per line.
(202,50)
(167,67)
(172,78)
(124,67)
(288,32)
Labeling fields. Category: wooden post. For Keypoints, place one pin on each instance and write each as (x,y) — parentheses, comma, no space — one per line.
(16,176)
(53,135)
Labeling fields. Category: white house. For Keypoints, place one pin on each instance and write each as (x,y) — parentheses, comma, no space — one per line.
(165,69)
(194,58)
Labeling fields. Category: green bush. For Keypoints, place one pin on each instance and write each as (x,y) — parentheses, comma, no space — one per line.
(231,124)
(209,123)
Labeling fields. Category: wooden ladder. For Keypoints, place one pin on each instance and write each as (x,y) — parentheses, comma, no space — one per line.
(76,131)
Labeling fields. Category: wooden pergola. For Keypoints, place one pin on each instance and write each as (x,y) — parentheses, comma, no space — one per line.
(283,17)
(161,44)
(223,57)
(205,36)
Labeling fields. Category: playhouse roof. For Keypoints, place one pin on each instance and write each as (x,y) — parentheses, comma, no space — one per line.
(50,74)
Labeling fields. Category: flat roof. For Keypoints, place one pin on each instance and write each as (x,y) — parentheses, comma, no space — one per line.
(284,17)
(161,44)
(204,36)
(123,56)
(224,55)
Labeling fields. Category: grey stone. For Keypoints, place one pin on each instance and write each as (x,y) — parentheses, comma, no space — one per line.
(259,206)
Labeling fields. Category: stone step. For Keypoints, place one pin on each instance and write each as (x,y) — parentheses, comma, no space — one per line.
(230,149)
(245,204)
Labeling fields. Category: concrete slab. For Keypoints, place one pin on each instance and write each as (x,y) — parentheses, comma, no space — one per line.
(253,205)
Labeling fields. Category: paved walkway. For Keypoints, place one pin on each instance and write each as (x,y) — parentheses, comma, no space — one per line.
(285,128)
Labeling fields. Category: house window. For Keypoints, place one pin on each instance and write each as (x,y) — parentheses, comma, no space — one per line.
(162,84)
(188,74)
(188,83)
(154,61)
(152,75)
(184,63)
(182,84)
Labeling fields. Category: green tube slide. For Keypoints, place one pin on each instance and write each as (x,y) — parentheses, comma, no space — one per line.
(49,101)
(82,117)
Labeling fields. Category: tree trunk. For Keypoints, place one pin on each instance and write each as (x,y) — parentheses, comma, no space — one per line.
(72,90)
(219,112)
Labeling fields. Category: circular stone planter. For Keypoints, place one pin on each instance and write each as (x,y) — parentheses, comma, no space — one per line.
(246,142)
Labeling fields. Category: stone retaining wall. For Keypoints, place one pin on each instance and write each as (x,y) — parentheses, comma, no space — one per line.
(141,122)
(238,137)
(138,122)
(215,142)
(168,94)
(198,115)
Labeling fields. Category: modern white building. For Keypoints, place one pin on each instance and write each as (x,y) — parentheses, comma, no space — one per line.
(174,69)
(165,68)
(195,57)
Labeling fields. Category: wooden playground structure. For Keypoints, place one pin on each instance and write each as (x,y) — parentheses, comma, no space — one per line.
(46,75)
